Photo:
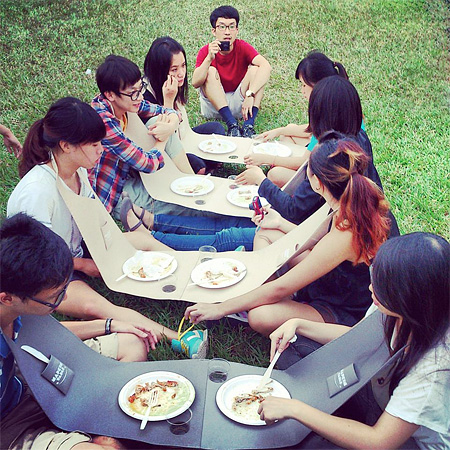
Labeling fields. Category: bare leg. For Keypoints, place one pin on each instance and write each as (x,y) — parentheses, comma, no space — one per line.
(249,77)
(213,89)
(267,318)
(84,303)
(264,237)
(131,348)
(280,175)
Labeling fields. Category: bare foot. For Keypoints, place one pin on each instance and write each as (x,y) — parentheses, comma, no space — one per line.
(134,214)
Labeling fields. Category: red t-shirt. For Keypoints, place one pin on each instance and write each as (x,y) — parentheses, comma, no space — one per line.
(232,67)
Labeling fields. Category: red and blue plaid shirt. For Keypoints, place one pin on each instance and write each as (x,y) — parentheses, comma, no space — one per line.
(120,154)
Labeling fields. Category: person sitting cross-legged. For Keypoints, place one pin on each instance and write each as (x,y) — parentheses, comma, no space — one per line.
(231,75)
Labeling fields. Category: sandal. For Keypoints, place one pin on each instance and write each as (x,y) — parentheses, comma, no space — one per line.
(127,204)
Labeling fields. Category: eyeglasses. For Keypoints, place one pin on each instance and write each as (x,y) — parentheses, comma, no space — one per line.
(223,27)
(58,300)
(135,94)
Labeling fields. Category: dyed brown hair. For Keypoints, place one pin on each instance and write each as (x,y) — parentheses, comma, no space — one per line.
(339,164)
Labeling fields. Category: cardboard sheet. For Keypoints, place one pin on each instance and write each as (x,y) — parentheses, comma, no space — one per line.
(110,249)
(191,140)
(158,183)
(91,403)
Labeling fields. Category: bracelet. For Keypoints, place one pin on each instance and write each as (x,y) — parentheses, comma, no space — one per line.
(108,325)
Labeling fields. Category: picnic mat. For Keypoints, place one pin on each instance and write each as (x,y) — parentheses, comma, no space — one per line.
(191,140)
(110,249)
(91,404)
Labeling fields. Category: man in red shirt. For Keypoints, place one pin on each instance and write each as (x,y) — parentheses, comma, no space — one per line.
(231,75)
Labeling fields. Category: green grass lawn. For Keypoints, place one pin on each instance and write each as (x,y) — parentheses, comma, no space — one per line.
(395,51)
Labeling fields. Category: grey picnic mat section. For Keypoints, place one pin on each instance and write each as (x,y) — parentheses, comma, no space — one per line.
(91,404)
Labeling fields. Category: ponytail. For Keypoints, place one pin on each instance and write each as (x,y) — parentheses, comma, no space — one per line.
(364,212)
(340,70)
(339,163)
(34,149)
(69,120)
(316,66)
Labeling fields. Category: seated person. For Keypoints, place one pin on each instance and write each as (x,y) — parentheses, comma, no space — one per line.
(167,85)
(311,69)
(67,142)
(330,281)
(35,268)
(410,286)
(121,92)
(334,105)
(231,75)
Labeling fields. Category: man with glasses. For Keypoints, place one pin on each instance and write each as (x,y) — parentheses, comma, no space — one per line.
(230,75)
(121,92)
(35,268)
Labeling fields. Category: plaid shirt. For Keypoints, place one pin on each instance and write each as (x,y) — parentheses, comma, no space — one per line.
(121,154)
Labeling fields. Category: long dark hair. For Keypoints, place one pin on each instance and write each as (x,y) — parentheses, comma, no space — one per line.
(334,105)
(410,277)
(69,120)
(157,65)
(315,66)
(339,163)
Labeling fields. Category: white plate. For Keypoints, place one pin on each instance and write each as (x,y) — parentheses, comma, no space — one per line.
(244,385)
(156,266)
(217,146)
(272,148)
(233,271)
(243,196)
(192,186)
(188,394)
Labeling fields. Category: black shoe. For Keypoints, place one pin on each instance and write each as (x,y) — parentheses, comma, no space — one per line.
(234,130)
(248,130)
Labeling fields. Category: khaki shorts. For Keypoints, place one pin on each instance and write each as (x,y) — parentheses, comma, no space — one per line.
(105,345)
(234,100)
(49,440)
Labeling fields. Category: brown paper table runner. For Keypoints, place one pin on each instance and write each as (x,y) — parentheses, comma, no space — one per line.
(158,183)
(190,140)
(110,249)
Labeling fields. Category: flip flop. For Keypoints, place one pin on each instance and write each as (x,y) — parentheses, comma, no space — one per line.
(127,204)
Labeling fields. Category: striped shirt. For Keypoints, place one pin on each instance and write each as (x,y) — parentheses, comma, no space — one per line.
(120,154)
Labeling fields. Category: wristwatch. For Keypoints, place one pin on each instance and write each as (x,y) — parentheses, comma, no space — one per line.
(249,93)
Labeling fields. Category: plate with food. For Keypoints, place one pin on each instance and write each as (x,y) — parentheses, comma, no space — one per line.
(243,196)
(149,266)
(175,395)
(272,148)
(192,186)
(218,273)
(239,398)
(217,146)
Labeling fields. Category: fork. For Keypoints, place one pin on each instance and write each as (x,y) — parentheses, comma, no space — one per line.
(268,372)
(153,401)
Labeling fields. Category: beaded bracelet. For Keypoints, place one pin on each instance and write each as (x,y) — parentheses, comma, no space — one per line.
(108,325)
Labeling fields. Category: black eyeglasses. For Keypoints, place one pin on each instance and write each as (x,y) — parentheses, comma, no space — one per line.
(135,94)
(58,300)
(223,27)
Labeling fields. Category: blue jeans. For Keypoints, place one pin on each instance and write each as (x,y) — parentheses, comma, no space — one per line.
(190,233)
